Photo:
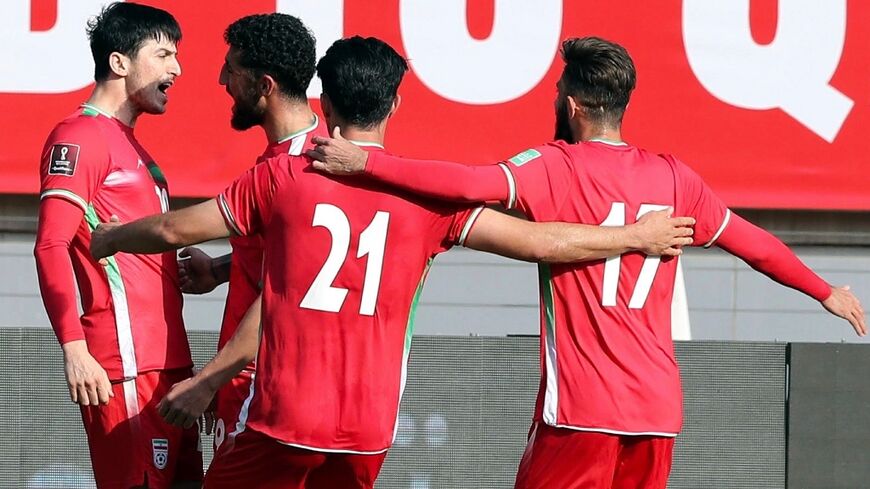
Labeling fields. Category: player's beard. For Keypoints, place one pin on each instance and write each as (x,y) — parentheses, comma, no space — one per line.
(149,99)
(246,113)
(563,123)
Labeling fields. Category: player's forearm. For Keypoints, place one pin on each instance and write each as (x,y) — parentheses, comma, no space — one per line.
(770,256)
(555,242)
(57,289)
(162,232)
(237,353)
(568,243)
(220,267)
(440,179)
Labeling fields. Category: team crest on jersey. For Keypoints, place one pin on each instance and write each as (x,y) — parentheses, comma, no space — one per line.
(525,157)
(160,452)
(63,159)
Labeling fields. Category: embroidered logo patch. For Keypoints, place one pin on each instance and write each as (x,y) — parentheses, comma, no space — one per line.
(63,159)
(160,452)
(525,157)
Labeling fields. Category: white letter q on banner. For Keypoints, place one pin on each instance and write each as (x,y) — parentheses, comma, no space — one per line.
(55,61)
(503,67)
(792,73)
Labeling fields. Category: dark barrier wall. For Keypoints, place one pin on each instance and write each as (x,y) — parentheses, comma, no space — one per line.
(828,426)
(464,416)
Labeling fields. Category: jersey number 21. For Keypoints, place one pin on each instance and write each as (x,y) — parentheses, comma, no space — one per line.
(322,296)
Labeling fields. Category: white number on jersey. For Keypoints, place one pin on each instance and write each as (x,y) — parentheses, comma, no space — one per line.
(612,265)
(322,296)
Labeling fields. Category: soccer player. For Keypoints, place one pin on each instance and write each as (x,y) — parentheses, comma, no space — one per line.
(129,345)
(344,265)
(609,403)
(266,71)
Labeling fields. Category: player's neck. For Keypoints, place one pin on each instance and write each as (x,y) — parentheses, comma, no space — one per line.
(291,118)
(359,135)
(111,99)
(599,133)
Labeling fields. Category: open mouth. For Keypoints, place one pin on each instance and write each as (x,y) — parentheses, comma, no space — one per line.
(163,87)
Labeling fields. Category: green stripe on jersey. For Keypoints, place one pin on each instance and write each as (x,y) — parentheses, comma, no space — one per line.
(156,173)
(90,112)
(412,315)
(525,157)
(545,281)
(120,306)
(551,372)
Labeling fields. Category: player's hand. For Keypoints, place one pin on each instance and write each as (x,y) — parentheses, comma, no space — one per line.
(337,156)
(844,304)
(101,241)
(185,402)
(195,272)
(657,233)
(87,381)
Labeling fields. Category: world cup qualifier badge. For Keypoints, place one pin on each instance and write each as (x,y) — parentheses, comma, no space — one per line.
(160,452)
(63,159)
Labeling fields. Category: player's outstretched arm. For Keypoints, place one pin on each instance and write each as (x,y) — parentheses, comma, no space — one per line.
(160,232)
(656,233)
(442,180)
(770,256)
(199,273)
(187,400)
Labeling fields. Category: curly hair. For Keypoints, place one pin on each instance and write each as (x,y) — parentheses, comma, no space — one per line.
(278,45)
(601,74)
(123,27)
(361,77)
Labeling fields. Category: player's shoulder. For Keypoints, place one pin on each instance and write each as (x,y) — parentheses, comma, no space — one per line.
(552,151)
(679,167)
(77,128)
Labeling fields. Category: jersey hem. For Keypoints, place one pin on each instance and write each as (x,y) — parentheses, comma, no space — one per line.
(614,432)
(66,195)
(469,224)
(511,201)
(332,450)
(721,229)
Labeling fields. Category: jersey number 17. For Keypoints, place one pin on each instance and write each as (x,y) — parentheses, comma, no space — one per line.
(613,264)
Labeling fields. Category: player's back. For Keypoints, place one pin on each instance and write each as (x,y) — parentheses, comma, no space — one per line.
(607,353)
(345,263)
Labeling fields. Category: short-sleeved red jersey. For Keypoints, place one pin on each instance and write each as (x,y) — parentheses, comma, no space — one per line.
(607,356)
(345,263)
(246,268)
(132,307)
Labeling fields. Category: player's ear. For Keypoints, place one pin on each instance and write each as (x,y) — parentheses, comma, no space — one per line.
(396,103)
(574,107)
(267,85)
(119,64)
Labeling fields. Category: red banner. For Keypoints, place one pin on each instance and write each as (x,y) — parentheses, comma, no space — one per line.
(764,98)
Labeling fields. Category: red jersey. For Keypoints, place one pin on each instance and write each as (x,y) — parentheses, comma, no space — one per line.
(607,354)
(345,265)
(132,307)
(246,268)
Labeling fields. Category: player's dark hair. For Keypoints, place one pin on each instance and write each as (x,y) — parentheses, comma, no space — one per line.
(601,75)
(278,45)
(123,27)
(361,77)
